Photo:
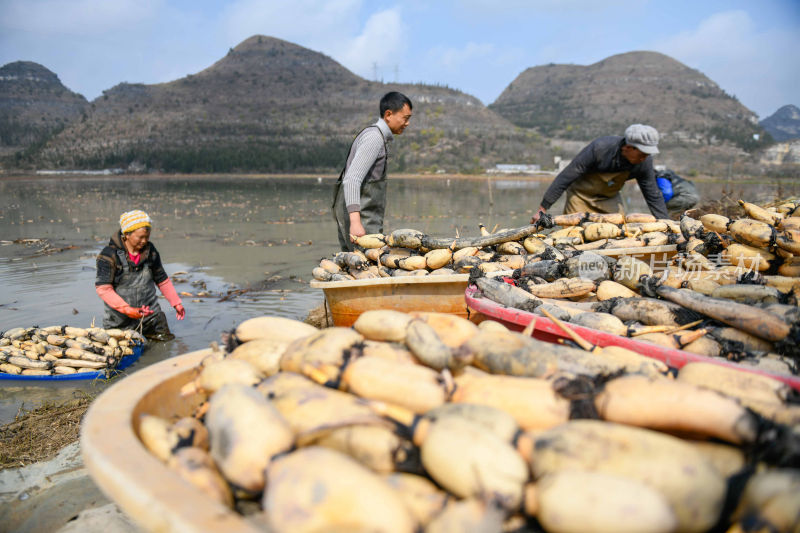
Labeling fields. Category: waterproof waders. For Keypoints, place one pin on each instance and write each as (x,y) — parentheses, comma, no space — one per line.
(137,288)
(373,199)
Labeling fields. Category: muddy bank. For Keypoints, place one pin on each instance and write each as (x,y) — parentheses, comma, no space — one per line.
(44,485)
(57,495)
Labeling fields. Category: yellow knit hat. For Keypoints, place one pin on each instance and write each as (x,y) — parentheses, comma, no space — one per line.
(133,220)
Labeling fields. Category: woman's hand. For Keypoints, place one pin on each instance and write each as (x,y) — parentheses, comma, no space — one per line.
(136,312)
(180,312)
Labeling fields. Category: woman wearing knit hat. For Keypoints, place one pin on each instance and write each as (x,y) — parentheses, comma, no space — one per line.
(128,271)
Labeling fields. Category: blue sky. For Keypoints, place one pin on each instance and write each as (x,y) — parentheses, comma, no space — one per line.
(750,48)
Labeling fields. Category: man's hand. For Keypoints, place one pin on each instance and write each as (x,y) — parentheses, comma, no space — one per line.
(535,218)
(356,229)
(180,312)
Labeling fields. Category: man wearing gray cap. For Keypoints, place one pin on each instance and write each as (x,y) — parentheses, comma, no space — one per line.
(595,177)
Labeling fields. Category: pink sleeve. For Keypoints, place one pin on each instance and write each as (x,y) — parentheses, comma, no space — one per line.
(169,292)
(110,296)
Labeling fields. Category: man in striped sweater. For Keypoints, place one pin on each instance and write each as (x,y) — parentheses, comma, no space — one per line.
(360,197)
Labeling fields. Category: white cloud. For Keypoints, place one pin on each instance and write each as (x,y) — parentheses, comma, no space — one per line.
(381,42)
(719,38)
(75,16)
(330,26)
(313,23)
(762,65)
(492,8)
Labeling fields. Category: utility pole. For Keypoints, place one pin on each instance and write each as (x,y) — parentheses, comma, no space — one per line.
(375,71)
(730,167)
(396,73)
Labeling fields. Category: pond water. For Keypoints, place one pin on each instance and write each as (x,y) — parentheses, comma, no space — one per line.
(248,242)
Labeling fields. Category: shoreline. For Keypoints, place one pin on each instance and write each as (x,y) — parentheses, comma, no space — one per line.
(539,177)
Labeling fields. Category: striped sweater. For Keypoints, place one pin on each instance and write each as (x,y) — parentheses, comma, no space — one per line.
(367,148)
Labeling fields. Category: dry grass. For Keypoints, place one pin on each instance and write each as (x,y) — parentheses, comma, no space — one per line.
(39,434)
(728,203)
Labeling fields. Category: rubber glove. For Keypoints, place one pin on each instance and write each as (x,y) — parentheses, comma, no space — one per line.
(135,312)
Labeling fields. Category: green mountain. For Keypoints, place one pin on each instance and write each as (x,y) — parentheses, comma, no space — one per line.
(272,106)
(584,102)
(34,105)
(784,124)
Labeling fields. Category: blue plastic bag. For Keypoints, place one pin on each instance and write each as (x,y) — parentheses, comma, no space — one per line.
(666,188)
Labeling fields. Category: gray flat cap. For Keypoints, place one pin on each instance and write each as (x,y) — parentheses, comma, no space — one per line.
(645,138)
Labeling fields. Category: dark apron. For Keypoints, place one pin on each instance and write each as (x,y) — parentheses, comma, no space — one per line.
(137,288)
(597,192)
(373,198)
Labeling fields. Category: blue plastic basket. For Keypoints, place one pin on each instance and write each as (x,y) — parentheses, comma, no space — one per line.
(124,363)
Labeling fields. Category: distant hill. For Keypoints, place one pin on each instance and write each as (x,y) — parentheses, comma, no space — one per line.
(33,105)
(584,102)
(784,124)
(273,106)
